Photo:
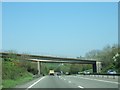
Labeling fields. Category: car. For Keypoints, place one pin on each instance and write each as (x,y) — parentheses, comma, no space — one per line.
(111,72)
(80,72)
(86,72)
(57,73)
(67,73)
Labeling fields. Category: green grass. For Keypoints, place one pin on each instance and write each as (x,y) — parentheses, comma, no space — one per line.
(12,83)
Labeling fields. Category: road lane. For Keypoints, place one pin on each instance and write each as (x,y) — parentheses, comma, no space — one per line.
(68,82)
(91,83)
(53,82)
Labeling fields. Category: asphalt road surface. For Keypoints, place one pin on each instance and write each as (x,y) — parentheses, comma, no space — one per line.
(71,82)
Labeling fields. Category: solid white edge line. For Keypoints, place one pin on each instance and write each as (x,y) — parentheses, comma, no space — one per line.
(35,83)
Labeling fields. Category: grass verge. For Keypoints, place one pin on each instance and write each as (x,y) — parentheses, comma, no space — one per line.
(9,83)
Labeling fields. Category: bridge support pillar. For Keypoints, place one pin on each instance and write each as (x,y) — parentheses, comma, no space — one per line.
(38,67)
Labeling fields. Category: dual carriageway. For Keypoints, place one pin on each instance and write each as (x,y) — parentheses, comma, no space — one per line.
(68,81)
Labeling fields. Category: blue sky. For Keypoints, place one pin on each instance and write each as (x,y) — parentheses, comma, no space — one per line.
(61,29)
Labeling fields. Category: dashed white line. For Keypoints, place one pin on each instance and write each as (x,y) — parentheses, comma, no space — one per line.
(35,83)
(69,81)
(80,87)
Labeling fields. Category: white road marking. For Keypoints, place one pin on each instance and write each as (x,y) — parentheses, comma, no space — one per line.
(100,80)
(35,83)
(69,81)
(80,87)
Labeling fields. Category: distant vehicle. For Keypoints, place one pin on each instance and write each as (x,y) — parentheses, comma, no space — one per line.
(86,72)
(80,72)
(111,72)
(57,73)
(51,72)
(67,73)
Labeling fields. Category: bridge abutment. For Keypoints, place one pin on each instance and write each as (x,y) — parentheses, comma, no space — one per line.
(97,67)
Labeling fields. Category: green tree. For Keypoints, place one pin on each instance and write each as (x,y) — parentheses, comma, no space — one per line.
(74,69)
(105,56)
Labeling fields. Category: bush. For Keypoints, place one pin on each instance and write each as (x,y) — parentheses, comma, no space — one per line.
(11,71)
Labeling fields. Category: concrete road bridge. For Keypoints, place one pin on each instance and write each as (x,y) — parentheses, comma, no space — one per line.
(53,59)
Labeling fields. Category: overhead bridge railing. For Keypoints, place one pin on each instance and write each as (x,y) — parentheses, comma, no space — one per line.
(113,76)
